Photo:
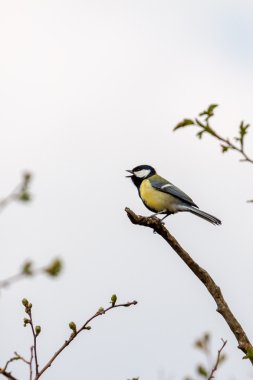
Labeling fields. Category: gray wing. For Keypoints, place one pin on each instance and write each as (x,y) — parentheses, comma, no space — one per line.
(165,186)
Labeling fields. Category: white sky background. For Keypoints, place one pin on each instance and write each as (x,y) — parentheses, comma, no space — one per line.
(87,90)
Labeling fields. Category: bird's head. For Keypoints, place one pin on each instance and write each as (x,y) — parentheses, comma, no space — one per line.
(139,173)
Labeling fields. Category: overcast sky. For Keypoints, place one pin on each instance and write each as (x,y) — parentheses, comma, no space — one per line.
(87,90)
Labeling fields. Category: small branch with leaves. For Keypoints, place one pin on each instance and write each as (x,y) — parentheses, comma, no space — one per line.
(203,123)
(27,271)
(222,307)
(36,330)
(21,193)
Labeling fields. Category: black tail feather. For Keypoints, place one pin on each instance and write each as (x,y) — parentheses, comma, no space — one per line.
(202,214)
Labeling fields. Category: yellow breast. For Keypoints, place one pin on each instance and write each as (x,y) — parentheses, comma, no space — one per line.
(156,200)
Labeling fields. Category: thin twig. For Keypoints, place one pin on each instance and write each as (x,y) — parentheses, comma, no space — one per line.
(8,375)
(9,198)
(34,347)
(222,307)
(9,361)
(28,362)
(19,357)
(3,371)
(14,358)
(31,363)
(14,278)
(19,193)
(211,376)
(74,334)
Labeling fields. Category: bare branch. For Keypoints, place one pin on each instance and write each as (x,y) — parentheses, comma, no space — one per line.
(8,375)
(8,281)
(75,332)
(211,376)
(3,371)
(34,347)
(31,364)
(19,357)
(222,307)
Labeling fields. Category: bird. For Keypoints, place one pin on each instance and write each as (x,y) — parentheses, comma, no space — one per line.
(162,197)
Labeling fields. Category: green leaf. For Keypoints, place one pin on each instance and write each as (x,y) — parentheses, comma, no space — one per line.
(209,111)
(243,130)
(202,371)
(199,344)
(27,305)
(26,321)
(24,196)
(113,299)
(25,302)
(184,123)
(54,268)
(224,148)
(72,326)
(211,108)
(200,134)
(27,268)
(37,330)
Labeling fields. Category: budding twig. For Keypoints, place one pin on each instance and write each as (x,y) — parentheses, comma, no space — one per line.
(27,270)
(3,371)
(75,332)
(35,332)
(20,193)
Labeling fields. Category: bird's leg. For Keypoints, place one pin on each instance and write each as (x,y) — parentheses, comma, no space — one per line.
(158,213)
(161,220)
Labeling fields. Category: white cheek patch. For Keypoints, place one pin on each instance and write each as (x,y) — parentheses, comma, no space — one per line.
(142,173)
(167,185)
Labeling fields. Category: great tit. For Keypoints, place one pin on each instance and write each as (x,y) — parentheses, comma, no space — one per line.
(162,197)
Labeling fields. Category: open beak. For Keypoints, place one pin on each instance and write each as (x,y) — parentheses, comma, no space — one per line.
(129,171)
